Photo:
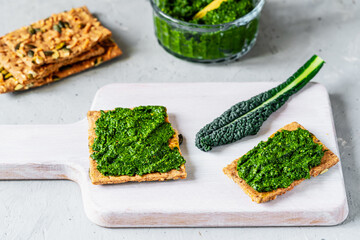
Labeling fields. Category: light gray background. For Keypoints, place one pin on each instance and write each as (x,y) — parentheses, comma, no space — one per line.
(290,32)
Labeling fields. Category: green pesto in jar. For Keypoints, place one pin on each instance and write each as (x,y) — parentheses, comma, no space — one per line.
(206,45)
(281,160)
(185,10)
(130,142)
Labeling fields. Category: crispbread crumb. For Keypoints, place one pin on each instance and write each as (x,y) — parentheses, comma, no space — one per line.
(329,159)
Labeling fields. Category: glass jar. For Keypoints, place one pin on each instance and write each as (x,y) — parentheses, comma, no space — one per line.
(207,43)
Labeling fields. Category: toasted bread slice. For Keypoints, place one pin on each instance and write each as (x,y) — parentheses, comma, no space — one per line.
(97,178)
(329,159)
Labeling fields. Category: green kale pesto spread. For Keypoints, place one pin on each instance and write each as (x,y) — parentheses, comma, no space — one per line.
(206,43)
(282,159)
(185,10)
(130,142)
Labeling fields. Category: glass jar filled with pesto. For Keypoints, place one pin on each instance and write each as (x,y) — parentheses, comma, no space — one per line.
(225,32)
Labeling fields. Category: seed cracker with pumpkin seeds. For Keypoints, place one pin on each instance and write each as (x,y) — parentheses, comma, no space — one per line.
(69,34)
(328,160)
(23,72)
(98,179)
(67,43)
(11,84)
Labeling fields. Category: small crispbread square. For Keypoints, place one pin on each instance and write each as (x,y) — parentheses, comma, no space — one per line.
(328,160)
(98,179)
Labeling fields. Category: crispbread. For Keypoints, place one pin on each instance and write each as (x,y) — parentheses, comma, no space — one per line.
(98,179)
(53,48)
(329,159)
(22,72)
(111,51)
(83,33)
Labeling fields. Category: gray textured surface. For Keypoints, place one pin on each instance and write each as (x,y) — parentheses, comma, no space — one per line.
(291,31)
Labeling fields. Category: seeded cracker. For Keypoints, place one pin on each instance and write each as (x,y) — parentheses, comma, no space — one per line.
(22,72)
(77,43)
(329,159)
(76,30)
(97,178)
(12,84)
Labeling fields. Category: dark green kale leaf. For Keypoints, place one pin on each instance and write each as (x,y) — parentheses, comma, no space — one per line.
(246,117)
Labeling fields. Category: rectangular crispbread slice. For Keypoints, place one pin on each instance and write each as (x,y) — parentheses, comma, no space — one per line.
(329,159)
(22,72)
(77,29)
(98,179)
(111,50)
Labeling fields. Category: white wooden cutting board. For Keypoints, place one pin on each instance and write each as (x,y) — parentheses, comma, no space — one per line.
(207,197)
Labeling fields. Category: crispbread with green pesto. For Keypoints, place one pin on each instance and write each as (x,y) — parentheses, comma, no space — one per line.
(98,177)
(328,160)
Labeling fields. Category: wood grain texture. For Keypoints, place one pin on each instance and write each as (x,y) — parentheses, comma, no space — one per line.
(207,197)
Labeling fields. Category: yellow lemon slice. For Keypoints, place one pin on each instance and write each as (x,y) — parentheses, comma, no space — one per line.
(211,6)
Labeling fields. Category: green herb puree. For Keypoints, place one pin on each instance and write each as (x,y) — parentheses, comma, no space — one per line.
(130,142)
(185,10)
(206,43)
(282,159)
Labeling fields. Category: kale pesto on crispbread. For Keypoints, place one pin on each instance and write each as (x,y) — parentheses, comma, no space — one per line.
(282,159)
(133,145)
(259,179)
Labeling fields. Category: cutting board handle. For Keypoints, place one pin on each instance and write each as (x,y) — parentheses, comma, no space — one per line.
(42,151)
